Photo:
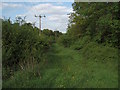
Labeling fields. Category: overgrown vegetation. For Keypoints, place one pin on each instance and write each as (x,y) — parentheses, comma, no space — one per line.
(85,57)
(23,47)
(99,21)
(67,68)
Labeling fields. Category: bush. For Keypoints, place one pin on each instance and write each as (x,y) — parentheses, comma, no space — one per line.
(65,40)
(99,53)
(80,43)
(21,45)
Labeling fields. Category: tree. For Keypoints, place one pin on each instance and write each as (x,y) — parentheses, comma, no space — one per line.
(99,20)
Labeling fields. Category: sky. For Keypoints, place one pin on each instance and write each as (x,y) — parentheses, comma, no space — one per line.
(55,12)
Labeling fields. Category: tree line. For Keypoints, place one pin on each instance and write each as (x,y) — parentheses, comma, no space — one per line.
(97,22)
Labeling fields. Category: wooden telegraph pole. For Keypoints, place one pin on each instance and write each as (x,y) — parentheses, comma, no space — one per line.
(40,16)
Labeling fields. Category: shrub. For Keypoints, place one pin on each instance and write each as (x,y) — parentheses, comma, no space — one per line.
(99,53)
(65,40)
(21,44)
(81,42)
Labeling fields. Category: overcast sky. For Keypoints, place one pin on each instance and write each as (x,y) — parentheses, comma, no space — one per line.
(56,13)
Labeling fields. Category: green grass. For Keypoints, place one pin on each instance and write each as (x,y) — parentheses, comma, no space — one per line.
(68,68)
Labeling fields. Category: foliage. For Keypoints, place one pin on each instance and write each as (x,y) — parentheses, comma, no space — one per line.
(99,53)
(99,20)
(50,36)
(66,68)
(80,43)
(22,45)
(65,40)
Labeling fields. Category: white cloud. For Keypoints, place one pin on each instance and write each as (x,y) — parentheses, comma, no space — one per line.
(11,5)
(49,9)
(56,16)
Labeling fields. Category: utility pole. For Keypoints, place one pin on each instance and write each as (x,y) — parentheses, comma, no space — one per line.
(40,16)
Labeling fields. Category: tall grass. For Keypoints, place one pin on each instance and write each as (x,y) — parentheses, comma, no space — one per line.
(91,67)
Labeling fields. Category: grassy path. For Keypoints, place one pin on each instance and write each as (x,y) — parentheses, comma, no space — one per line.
(66,68)
(69,69)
